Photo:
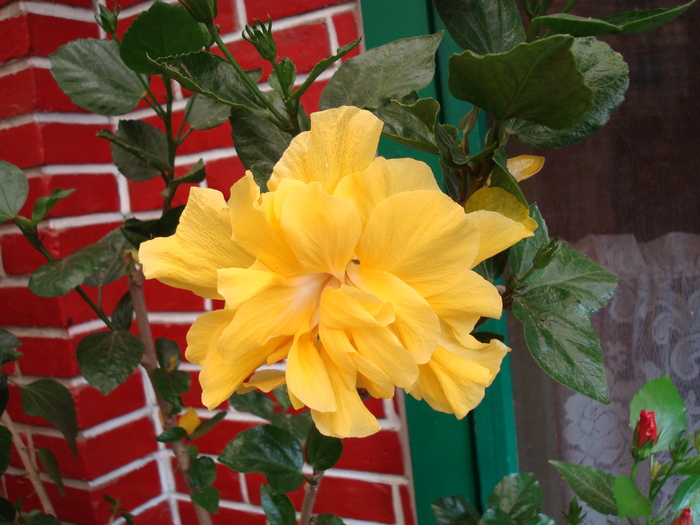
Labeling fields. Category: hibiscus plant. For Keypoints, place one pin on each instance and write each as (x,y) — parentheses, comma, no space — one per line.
(343,275)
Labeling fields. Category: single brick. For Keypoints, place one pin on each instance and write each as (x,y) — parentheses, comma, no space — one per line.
(74,143)
(163,298)
(49,357)
(44,39)
(22,145)
(158,515)
(223,173)
(17,94)
(15,42)
(214,441)
(380,452)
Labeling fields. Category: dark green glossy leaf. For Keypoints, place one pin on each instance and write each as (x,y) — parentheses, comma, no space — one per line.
(259,143)
(138,231)
(619,23)
(206,425)
(296,424)
(455,510)
(451,154)
(207,113)
(5,448)
(322,452)
(518,495)
(168,354)
(492,268)
(203,472)
(41,519)
(208,499)
(53,402)
(591,485)
(268,450)
(8,344)
(60,277)
(406,128)
(139,150)
(171,385)
(7,512)
(482,26)
(502,178)
(687,496)
(541,519)
(661,395)
(322,66)
(43,204)
(278,507)
(4,393)
(171,435)
(163,30)
(214,77)
(538,82)
(688,467)
(49,465)
(111,264)
(107,359)
(282,397)
(194,176)
(425,109)
(496,516)
(93,75)
(123,313)
(522,254)
(379,75)
(630,502)
(605,72)
(328,519)
(254,402)
(14,189)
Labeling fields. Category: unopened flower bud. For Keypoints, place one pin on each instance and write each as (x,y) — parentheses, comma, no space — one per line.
(545,254)
(107,19)
(685,518)
(646,428)
(261,37)
(655,468)
(203,11)
(189,420)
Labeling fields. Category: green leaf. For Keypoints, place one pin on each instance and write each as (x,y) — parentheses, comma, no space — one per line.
(168,354)
(14,189)
(296,424)
(171,385)
(591,485)
(377,76)
(522,254)
(687,496)
(138,231)
(605,72)
(111,264)
(482,26)
(196,175)
(138,149)
(259,143)
(50,466)
(123,313)
(254,402)
(322,66)
(214,77)
(208,499)
(8,344)
(203,472)
(207,113)
(496,516)
(518,495)
(538,82)
(107,359)
(41,519)
(53,402)
(322,452)
(661,396)
(278,507)
(454,510)
(268,450)
(688,467)
(4,393)
(5,448)
(619,23)
(502,178)
(541,519)
(206,425)
(7,512)
(630,502)
(406,128)
(60,277)
(163,30)
(171,435)
(43,204)
(94,77)
(451,154)
(425,109)
(328,519)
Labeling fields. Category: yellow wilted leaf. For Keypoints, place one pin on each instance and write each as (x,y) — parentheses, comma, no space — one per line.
(499,200)
(525,166)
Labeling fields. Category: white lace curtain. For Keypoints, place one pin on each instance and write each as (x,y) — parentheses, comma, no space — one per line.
(650,328)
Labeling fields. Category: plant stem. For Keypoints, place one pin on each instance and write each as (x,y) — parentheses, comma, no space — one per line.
(310,492)
(569,6)
(633,474)
(283,123)
(29,466)
(150,363)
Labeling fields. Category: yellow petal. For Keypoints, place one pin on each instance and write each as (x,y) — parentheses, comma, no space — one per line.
(204,333)
(266,380)
(321,230)
(498,233)
(351,418)
(382,349)
(416,324)
(422,237)
(307,376)
(525,166)
(348,307)
(464,304)
(499,200)
(238,285)
(373,378)
(455,383)
(341,141)
(201,245)
(382,179)
(189,420)
(340,350)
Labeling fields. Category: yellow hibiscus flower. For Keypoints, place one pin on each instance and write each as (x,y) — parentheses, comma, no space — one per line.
(354,269)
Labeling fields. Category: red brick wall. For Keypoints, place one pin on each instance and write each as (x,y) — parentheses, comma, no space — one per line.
(54,141)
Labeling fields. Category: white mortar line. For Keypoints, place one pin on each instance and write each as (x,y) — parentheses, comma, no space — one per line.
(68,382)
(136,9)
(244,488)
(61,223)
(16,121)
(173,317)
(14,282)
(332,34)
(143,508)
(117,422)
(59,11)
(124,197)
(241,14)
(88,326)
(372,477)
(78,169)
(206,156)
(39,332)
(398,507)
(71,118)
(11,10)
(121,471)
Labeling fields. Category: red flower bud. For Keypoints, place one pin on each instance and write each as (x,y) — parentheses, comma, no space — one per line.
(684,518)
(646,428)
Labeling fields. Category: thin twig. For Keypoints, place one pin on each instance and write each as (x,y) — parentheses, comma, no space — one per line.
(310,492)
(31,469)
(150,363)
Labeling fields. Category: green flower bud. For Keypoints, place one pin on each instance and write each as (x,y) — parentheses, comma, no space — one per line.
(261,37)
(203,11)
(107,19)
(574,516)
(545,254)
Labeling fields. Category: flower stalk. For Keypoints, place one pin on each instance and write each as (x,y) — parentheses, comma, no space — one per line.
(310,493)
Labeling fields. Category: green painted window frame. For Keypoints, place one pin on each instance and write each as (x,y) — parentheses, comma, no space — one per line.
(448,456)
